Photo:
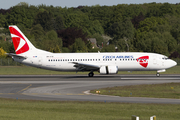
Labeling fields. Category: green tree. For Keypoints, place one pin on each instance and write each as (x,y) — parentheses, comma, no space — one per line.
(123,33)
(65,50)
(81,20)
(153,10)
(3,22)
(59,25)
(166,8)
(37,31)
(169,41)
(38,34)
(44,19)
(79,46)
(158,46)
(122,29)
(108,48)
(95,27)
(22,15)
(175,27)
(51,42)
(149,23)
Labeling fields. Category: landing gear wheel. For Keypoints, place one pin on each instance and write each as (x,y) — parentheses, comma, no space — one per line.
(158,75)
(91,74)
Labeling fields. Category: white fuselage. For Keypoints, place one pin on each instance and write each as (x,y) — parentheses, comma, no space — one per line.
(125,61)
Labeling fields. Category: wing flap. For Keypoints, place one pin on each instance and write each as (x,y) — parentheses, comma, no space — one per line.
(83,66)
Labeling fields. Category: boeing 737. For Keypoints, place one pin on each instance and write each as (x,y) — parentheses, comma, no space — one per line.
(104,63)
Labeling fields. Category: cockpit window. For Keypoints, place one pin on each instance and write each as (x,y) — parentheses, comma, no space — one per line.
(165,58)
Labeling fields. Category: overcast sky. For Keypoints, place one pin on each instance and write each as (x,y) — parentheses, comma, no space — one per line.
(5,4)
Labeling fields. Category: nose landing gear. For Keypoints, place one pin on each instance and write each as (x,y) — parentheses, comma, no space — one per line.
(157,74)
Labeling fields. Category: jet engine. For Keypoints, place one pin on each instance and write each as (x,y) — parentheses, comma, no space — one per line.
(108,70)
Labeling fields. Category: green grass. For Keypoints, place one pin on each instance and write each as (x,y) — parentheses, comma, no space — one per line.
(25,70)
(166,90)
(47,110)
(173,70)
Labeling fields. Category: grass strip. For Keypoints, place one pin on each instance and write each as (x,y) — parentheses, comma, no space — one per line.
(53,110)
(166,90)
(26,70)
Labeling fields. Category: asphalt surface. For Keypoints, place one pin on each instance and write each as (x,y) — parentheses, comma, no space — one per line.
(75,87)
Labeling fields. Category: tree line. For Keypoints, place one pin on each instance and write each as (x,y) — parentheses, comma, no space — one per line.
(152,27)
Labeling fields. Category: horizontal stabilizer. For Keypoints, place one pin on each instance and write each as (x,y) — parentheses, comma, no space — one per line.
(15,55)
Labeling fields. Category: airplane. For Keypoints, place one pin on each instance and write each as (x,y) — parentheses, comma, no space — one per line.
(104,63)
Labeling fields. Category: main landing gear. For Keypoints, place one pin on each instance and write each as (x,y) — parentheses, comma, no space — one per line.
(91,74)
(157,74)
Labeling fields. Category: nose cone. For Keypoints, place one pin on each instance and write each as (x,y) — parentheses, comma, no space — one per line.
(173,63)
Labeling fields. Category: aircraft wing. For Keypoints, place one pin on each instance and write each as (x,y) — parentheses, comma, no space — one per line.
(15,55)
(83,66)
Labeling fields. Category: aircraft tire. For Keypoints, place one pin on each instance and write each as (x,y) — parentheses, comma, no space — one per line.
(158,75)
(91,74)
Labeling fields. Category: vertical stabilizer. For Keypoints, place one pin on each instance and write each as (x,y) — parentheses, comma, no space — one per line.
(21,43)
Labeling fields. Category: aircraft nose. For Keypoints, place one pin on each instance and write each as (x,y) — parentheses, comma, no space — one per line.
(173,63)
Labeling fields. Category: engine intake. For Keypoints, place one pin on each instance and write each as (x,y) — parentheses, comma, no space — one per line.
(108,70)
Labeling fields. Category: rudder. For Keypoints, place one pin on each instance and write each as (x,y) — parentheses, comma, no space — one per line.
(20,42)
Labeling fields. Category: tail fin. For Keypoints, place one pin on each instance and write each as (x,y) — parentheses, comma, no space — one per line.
(21,43)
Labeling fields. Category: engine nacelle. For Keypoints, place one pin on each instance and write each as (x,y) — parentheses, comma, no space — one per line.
(108,70)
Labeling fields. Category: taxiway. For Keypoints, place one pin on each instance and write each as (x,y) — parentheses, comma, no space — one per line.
(75,87)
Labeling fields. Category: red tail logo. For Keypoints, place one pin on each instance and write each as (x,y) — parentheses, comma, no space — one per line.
(20,44)
(143,61)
